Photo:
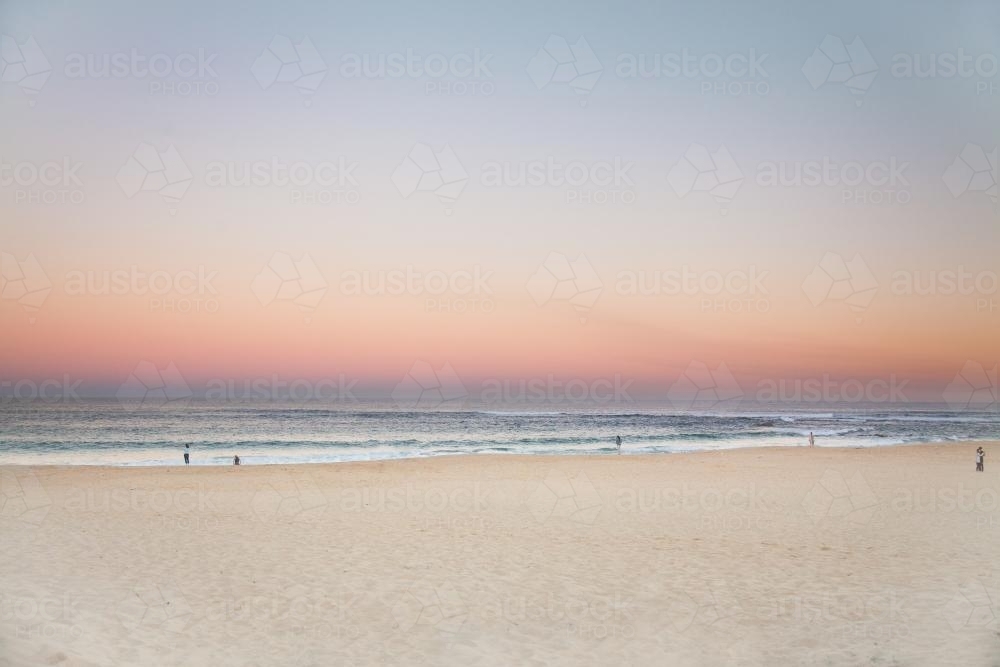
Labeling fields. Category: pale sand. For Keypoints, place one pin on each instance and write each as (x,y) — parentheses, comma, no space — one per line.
(771,556)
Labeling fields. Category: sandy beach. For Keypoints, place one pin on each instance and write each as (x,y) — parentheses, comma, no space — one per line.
(880,556)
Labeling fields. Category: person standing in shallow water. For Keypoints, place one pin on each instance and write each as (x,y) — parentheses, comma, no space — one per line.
(812,440)
(187,454)
(618,443)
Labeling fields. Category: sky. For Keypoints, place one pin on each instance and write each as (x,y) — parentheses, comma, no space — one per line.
(743,193)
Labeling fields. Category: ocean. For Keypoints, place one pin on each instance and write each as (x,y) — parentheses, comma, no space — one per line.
(105,433)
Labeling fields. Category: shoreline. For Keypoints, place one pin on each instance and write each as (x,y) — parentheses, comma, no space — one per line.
(518,455)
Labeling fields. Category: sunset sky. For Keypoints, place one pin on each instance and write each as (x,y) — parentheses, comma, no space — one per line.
(491,91)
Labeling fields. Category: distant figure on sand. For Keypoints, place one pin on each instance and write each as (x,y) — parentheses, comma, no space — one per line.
(187,454)
(236,460)
(979,459)
(812,440)
(618,443)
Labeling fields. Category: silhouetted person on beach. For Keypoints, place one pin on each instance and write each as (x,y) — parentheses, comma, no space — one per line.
(980,454)
(618,443)
(236,460)
(812,440)
(187,454)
